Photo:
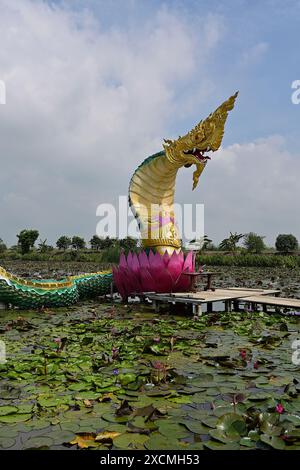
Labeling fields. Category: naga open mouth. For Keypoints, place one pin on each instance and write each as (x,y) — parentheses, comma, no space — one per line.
(198,154)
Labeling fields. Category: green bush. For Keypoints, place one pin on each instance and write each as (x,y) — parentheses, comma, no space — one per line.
(264,261)
(254,243)
(286,243)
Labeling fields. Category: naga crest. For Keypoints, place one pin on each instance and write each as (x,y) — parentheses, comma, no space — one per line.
(205,137)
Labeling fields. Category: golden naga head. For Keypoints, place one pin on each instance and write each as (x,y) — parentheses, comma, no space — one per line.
(205,137)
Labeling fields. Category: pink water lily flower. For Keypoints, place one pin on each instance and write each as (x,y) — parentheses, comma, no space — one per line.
(279,408)
(151,272)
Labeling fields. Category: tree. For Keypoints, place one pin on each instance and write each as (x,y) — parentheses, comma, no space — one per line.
(128,243)
(96,243)
(254,243)
(3,247)
(230,243)
(27,239)
(286,243)
(109,242)
(64,242)
(43,247)
(78,243)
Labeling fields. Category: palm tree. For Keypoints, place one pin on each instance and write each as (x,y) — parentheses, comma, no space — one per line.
(230,243)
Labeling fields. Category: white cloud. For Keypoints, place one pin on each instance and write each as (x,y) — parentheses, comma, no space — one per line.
(254,54)
(250,187)
(84,107)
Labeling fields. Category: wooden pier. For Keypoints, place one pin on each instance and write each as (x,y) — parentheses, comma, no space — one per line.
(231,297)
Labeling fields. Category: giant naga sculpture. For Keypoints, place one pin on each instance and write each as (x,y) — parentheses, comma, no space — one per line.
(161,265)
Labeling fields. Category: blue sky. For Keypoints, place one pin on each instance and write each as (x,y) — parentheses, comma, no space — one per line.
(94,86)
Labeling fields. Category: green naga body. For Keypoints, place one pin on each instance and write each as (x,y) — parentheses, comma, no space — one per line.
(27,294)
(151,197)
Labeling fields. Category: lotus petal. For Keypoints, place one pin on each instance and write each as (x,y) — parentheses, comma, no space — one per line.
(183,283)
(189,262)
(175,266)
(135,264)
(147,281)
(156,264)
(129,259)
(143,259)
(166,258)
(118,283)
(164,281)
(123,262)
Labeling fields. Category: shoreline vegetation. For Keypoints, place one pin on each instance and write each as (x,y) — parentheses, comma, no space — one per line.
(244,250)
(111,256)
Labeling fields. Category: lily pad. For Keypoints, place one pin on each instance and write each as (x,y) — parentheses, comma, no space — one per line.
(130,441)
(38,443)
(15,418)
(7,409)
(273,441)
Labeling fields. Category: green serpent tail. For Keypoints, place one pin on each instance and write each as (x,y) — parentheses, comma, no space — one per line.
(28,294)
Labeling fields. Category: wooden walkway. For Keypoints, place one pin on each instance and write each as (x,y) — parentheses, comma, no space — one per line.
(231,296)
(273,301)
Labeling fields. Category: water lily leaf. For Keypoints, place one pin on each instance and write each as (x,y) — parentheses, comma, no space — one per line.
(254,435)
(214,445)
(38,443)
(273,441)
(247,442)
(181,400)
(130,441)
(259,396)
(295,419)
(195,426)
(53,401)
(10,431)
(210,421)
(220,435)
(126,379)
(69,426)
(175,430)
(87,395)
(39,424)
(112,418)
(120,428)
(15,418)
(61,436)
(25,408)
(232,424)
(7,409)
(6,442)
(222,410)
(78,387)
(158,442)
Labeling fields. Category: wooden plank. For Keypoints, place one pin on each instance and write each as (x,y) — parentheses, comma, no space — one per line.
(255,291)
(276,301)
(219,295)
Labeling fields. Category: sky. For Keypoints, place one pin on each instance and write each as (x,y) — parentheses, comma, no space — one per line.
(93,87)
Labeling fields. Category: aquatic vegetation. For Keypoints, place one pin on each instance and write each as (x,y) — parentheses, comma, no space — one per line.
(137,381)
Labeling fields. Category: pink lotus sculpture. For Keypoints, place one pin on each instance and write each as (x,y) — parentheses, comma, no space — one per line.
(153,272)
